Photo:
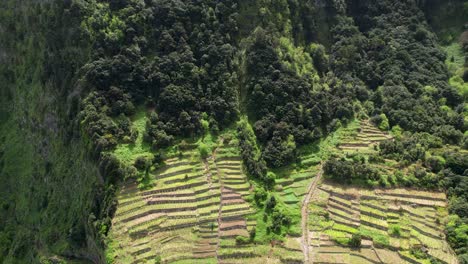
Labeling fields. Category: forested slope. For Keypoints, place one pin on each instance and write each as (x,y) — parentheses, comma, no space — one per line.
(97,95)
(50,185)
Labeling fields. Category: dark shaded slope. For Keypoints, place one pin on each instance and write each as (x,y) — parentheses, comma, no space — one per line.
(48,183)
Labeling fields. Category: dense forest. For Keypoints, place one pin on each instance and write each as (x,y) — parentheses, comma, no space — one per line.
(283,74)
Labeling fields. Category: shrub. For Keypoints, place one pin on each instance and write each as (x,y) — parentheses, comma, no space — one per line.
(384,180)
(279,219)
(384,125)
(397,131)
(270,180)
(157,260)
(131,172)
(395,230)
(205,124)
(260,196)
(204,150)
(183,145)
(141,163)
(380,241)
(376,120)
(158,158)
(242,240)
(435,163)
(161,139)
(252,234)
(355,240)
(418,252)
(271,203)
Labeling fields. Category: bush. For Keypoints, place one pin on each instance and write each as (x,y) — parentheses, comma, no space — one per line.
(161,139)
(271,203)
(419,252)
(158,158)
(384,181)
(397,131)
(355,240)
(242,240)
(141,163)
(131,172)
(376,120)
(157,260)
(260,196)
(270,180)
(204,150)
(384,125)
(279,219)
(252,233)
(464,143)
(395,230)
(435,163)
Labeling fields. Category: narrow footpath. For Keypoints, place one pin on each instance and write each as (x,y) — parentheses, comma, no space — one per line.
(213,156)
(305,214)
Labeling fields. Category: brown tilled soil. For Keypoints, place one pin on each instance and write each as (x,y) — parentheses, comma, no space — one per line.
(234,233)
(143,219)
(233,201)
(231,225)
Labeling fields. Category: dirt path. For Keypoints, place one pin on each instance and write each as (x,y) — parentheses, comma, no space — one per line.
(208,172)
(377,254)
(220,201)
(305,214)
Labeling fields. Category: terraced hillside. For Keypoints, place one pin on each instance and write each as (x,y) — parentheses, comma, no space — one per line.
(195,209)
(195,212)
(233,209)
(362,137)
(391,222)
(169,219)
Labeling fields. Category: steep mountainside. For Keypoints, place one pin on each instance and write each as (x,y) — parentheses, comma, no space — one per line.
(198,131)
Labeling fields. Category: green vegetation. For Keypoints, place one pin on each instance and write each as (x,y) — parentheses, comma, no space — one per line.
(395,230)
(383,219)
(189,131)
(355,240)
(127,152)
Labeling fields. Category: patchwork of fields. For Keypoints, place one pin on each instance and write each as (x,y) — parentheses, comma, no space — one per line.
(391,222)
(193,214)
(196,208)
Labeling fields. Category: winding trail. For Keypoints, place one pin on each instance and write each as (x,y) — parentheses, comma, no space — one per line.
(305,213)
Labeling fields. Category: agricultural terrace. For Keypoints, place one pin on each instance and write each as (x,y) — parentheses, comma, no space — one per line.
(201,210)
(361,137)
(195,212)
(192,210)
(396,226)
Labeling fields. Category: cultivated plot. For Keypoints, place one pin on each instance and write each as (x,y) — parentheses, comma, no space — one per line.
(393,224)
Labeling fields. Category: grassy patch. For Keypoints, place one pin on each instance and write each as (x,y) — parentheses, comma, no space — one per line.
(455,58)
(128,152)
(380,240)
